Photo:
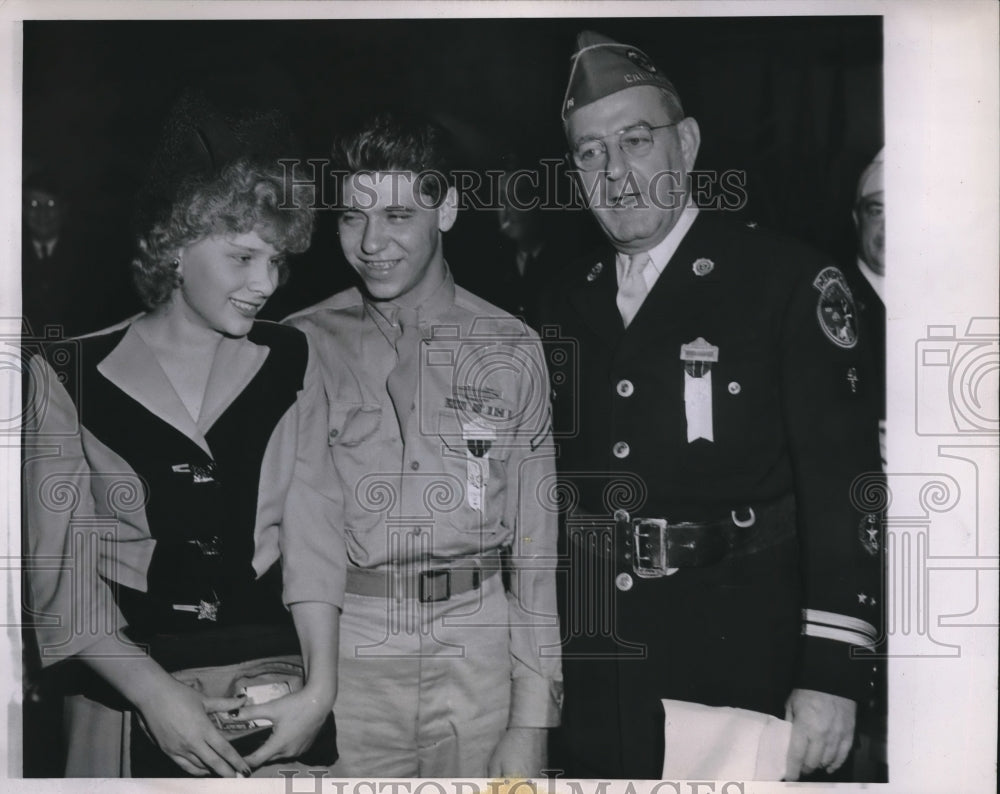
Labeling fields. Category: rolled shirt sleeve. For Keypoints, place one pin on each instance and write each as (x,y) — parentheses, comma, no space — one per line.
(311,538)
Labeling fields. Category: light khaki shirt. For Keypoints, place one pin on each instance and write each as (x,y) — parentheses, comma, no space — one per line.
(473,470)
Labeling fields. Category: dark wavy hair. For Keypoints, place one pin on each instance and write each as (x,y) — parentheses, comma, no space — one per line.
(245,196)
(399,141)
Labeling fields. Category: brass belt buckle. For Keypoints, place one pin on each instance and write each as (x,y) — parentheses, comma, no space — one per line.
(649,548)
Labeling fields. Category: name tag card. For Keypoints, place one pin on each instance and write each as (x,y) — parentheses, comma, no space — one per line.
(698,357)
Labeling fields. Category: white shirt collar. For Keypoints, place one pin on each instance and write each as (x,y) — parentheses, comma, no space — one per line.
(877,281)
(661,253)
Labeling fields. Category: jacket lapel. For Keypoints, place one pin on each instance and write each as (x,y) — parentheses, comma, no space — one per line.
(661,311)
(236,363)
(593,295)
(134,369)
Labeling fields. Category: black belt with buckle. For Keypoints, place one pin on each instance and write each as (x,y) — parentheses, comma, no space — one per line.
(446,578)
(655,547)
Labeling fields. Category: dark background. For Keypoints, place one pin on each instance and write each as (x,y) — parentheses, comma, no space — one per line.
(795,102)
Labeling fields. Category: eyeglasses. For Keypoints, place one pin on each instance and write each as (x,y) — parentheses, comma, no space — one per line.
(872,210)
(635,141)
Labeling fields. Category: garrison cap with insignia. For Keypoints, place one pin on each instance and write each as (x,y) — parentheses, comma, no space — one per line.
(873,177)
(602,66)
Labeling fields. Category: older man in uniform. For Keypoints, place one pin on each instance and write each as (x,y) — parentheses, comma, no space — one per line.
(710,443)
(439,427)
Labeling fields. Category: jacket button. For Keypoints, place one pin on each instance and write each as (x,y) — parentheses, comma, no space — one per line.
(334,433)
(625,388)
(621,450)
(623,582)
(415,465)
(734,388)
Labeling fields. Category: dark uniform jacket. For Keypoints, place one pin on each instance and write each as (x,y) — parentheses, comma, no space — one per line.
(793,592)
(871,326)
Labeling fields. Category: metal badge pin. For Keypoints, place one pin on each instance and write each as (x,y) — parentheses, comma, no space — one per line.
(703,266)
(595,271)
(852,378)
(206,610)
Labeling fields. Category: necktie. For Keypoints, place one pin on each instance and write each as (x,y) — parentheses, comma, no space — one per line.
(632,291)
(402,382)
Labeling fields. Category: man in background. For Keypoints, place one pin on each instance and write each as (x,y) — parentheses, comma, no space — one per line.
(867,277)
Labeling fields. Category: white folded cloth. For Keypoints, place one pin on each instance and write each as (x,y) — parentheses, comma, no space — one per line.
(721,743)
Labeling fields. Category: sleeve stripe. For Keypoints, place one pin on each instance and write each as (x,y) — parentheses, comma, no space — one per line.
(835,620)
(841,635)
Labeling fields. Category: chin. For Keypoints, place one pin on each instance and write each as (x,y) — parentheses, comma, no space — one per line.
(237,329)
(383,291)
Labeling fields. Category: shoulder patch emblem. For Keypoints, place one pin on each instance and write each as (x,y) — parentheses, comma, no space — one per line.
(835,308)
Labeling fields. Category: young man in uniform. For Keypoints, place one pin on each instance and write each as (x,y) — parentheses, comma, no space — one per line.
(720,385)
(439,429)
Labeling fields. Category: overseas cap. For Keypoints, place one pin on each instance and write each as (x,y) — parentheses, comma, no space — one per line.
(602,66)
(872,178)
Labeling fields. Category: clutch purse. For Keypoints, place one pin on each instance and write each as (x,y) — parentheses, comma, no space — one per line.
(260,679)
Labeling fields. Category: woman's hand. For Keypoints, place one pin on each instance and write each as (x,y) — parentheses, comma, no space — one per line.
(177,718)
(297,719)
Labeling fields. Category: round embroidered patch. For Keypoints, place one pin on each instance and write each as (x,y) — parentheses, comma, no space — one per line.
(835,309)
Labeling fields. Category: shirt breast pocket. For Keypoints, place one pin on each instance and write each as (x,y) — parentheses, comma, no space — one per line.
(461,439)
(351,424)
(475,453)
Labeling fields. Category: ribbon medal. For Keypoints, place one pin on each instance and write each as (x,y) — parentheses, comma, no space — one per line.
(478,439)
(698,357)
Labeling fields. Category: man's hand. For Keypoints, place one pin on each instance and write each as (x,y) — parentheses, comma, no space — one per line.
(522,753)
(822,731)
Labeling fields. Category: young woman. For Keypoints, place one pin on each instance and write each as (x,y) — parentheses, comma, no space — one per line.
(184,565)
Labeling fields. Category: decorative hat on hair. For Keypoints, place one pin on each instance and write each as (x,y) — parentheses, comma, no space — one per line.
(601,67)
(200,137)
